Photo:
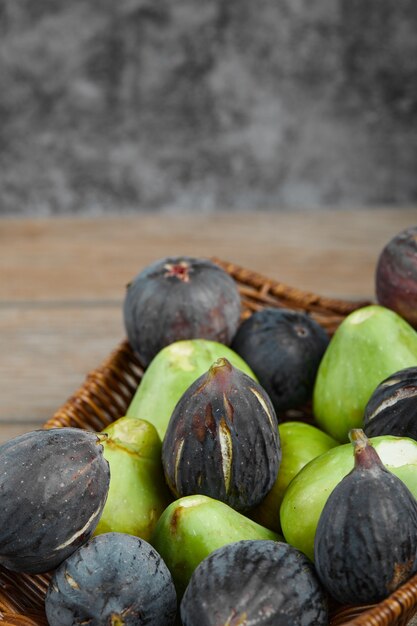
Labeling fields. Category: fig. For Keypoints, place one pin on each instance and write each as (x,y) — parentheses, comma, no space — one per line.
(266,583)
(115,579)
(178,366)
(392,408)
(178,298)
(284,349)
(366,538)
(300,443)
(307,493)
(53,487)
(138,493)
(396,275)
(359,356)
(194,526)
(222,439)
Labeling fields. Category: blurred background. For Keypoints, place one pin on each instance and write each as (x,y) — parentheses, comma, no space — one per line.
(152,105)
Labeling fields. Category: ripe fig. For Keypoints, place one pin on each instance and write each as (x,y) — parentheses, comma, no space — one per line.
(300,443)
(138,493)
(266,583)
(178,365)
(53,487)
(359,356)
(284,349)
(366,539)
(396,275)
(222,439)
(307,493)
(115,579)
(193,527)
(392,408)
(180,298)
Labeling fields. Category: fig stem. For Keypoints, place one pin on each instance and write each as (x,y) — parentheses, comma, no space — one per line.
(366,457)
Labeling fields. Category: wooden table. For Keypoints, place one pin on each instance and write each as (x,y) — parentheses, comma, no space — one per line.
(62,282)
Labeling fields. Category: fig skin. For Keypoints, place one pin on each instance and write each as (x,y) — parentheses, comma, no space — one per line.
(222,439)
(309,490)
(115,579)
(178,298)
(138,493)
(178,365)
(366,539)
(392,408)
(193,527)
(284,349)
(53,487)
(359,356)
(300,443)
(396,275)
(262,583)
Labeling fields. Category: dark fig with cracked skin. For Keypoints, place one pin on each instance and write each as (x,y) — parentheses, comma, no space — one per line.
(115,579)
(392,408)
(53,487)
(222,439)
(366,539)
(284,349)
(396,275)
(262,583)
(178,298)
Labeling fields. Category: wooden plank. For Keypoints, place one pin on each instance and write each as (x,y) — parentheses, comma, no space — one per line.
(46,354)
(332,253)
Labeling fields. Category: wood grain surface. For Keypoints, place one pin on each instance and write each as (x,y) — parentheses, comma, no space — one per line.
(62,282)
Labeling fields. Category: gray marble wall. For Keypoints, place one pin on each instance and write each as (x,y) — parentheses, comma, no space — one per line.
(206,104)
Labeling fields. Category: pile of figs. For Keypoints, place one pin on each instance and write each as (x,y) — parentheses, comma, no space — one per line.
(207,503)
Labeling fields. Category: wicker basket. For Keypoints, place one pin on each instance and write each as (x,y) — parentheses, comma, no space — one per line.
(105,396)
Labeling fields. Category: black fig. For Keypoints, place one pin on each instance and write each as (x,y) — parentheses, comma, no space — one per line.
(115,579)
(392,408)
(179,298)
(396,275)
(262,582)
(284,349)
(53,487)
(222,440)
(366,539)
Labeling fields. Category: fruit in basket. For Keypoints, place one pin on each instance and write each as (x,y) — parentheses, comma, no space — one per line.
(222,439)
(193,527)
(307,493)
(138,493)
(300,443)
(178,298)
(115,579)
(366,538)
(370,344)
(53,487)
(392,408)
(255,582)
(396,275)
(284,349)
(178,366)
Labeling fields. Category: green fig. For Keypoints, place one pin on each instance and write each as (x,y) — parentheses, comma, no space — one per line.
(193,527)
(138,493)
(307,493)
(171,372)
(300,443)
(370,344)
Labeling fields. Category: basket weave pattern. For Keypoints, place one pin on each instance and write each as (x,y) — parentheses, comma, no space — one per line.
(105,396)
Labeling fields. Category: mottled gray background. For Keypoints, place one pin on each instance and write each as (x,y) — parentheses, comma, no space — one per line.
(206,104)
